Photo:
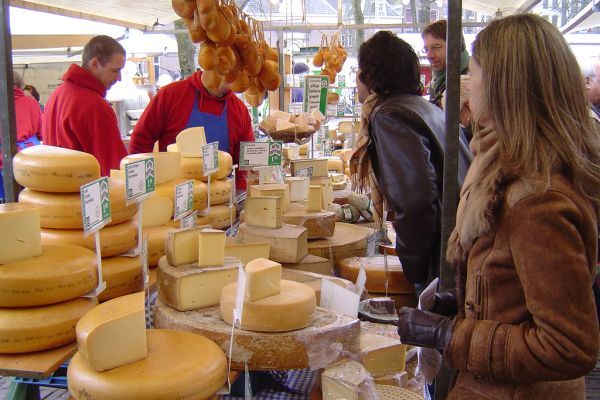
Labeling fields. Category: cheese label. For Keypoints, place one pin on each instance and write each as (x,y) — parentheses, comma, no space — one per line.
(306,172)
(210,158)
(260,154)
(371,240)
(95,206)
(184,200)
(139,180)
(189,221)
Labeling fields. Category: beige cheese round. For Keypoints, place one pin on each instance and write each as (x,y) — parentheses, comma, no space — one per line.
(63,210)
(123,275)
(193,168)
(179,365)
(200,192)
(289,310)
(23,330)
(374,267)
(63,272)
(220,191)
(114,240)
(156,242)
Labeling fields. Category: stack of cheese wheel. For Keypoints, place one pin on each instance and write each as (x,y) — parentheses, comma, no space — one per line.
(52,177)
(119,359)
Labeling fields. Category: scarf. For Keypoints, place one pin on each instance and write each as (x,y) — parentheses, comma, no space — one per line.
(439,78)
(361,172)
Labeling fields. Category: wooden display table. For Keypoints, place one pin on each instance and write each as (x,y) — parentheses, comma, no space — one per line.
(37,365)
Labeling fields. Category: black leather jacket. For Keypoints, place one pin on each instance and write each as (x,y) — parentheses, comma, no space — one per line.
(407,156)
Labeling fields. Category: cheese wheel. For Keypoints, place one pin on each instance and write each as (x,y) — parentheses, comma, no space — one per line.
(166,165)
(23,330)
(374,267)
(192,168)
(156,211)
(156,242)
(219,217)
(220,191)
(293,308)
(61,273)
(63,210)
(114,240)
(200,192)
(20,227)
(179,365)
(54,169)
(123,275)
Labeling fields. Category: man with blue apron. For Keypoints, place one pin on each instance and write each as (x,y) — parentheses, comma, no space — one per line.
(215,126)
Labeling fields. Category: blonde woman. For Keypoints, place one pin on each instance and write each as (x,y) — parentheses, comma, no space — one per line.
(524,246)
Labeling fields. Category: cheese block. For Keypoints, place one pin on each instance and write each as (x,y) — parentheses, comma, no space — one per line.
(312,263)
(327,190)
(181,246)
(61,273)
(156,242)
(156,211)
(272,189)
(263,279)
(347,380)
(374,267)
(114,240)
(220,191)
(291,152)
(190,141)
(288,243)
(123,275)
(264,211)
(318,224)
(281,115)
(172,148)
(315,199)
(20,227)
(291,309)
(63,210)
(314,280)
(114,333)
(192,168)
(318,115)
(387,392)
(189,287)
(166,165)
(24,330)
(334,164)
(298,187)
(179,365)
(382,355)
(54,169)
(200,192)
(211,248)
(282,125)
(219,217)
(246,252)
(312,167)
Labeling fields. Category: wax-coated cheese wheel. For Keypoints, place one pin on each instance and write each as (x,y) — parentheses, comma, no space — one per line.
(63,210)
(219,217)
(156,211)
(61,273)
(293,308)
(20,227)
(114,240)
(374,267)
(156,242)
(200,192)
(23,330)
(179,365)
(123,275)
(166,165)
(192,168)
(220,191)
(54,169)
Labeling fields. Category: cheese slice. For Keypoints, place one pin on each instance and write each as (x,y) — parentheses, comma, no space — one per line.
(291,152)
(298,187)
(54,169)
(189,287)
(264,211)
(156,242)
(193,168)
(190,141)
(315,198)
(61,273)
(157,210)
(248,251)
(263,279)
(282,125)
(273,189)
(181,246)
(382,355)
(211,248)
(113,333)
(123,275)
(346,380)
(166,165)
(168,190)
(312,167)
(179,365)
(288,243)
(20,227)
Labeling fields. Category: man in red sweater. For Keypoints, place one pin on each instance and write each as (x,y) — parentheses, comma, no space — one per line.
(77,115)
(187,104)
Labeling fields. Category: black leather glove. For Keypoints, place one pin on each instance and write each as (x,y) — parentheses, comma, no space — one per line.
(445,304)
(424,329)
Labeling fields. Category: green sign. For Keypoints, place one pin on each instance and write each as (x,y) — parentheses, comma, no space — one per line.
(95,205)
(139,180)
(315,93)
(260,154)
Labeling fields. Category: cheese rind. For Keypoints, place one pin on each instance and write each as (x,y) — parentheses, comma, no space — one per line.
(166,165)
(387,392)
(156,211)
(122,275)
(220,191)
(265,211)
(113,333)
(181,246)
(156,242)
(310,263)
(326,190)
(20,227)
(288,243)
(246,252)
(263,279)
(211,248)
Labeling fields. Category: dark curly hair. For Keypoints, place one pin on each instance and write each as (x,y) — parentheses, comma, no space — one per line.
(389,65)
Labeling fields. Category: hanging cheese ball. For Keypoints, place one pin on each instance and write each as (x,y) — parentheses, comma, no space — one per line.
(207,56)
(241,83)
(213,80)
(205,6)
(184,8)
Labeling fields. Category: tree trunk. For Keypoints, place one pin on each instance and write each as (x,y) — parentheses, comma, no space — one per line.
(359,18)
(186,50)
(425,12)
(413,11)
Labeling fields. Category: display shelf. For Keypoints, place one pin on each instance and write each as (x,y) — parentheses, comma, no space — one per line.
(37,365)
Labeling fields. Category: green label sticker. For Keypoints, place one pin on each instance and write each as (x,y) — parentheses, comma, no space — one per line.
(95,205)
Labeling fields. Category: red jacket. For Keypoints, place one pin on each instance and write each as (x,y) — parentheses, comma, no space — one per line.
(28,115)
(168,113)
(78,117)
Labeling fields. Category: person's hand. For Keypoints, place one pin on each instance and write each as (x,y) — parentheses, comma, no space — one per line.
(445,304)
(423,328)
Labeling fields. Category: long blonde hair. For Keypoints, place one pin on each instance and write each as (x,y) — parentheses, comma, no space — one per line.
(534,94)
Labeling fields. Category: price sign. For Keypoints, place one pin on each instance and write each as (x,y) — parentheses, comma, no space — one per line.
(184,199)
(189,221)
(339,299)
(315,93)
(95,206)
(139,180)
(260,154)
(210,158)
(372,244)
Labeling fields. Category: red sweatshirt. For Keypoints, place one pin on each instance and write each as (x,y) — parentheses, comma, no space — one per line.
(78,117)
(168,113)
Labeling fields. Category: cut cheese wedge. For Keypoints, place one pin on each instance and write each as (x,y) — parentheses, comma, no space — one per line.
(312,167)
(61,273)
(114,333)
(20,227)
(190,141)
(24,330)
(156,242)
(200,192)
(166,165)
(347,380)
(282,125)
(156,211)
(264,211)
(181,246)
(172,148)
(123,275)
(382,355)
(263,279)
(179,365)
(54,169)
(273,189)
(211,248)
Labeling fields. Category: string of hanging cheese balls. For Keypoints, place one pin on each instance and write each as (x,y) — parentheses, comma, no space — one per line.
(331,56)
(233,48)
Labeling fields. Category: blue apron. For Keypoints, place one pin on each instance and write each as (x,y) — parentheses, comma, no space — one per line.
(32,141)
(215,126)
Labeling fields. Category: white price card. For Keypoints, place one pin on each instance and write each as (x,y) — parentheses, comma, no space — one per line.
(95,206)
(260,154)
(184,200)
(306,172)
(361,281)
(210,158)
(239,296)
(339,299)
(139,180)
(372,244)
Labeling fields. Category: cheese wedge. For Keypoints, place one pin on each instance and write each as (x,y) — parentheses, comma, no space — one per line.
(190,141)
(263,279)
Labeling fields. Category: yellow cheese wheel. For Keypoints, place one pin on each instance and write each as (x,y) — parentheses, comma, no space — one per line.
(220,191)
(23,330)
(374,267)
(200,192)
(61,273)
(123,275)
(289,310)
(179,365)
(54,169)
(114,240)
(219,217)
(192,168)
(166,165)
(63,210)
(156,242)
